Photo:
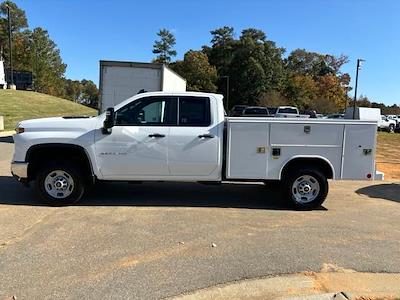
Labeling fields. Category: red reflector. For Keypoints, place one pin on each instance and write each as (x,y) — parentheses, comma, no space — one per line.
(369,175)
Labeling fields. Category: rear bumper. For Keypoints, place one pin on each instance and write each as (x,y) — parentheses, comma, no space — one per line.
(19,169)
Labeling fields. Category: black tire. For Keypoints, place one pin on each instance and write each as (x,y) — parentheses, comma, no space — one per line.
(292,194)
(391,128)
(70,171)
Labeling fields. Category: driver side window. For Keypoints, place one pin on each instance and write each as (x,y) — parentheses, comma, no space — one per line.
(150,111)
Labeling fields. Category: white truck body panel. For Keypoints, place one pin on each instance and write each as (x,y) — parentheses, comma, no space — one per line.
(122,80)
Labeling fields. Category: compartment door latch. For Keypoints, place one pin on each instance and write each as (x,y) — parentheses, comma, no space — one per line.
(367,151)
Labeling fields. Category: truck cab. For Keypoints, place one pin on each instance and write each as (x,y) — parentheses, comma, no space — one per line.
(163,137)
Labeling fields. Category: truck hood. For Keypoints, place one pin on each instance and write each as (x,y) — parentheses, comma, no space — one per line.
(81,124)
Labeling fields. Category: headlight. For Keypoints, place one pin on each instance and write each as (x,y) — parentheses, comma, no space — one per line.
(19,129)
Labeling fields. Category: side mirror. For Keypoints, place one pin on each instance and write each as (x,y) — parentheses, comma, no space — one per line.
(109,121)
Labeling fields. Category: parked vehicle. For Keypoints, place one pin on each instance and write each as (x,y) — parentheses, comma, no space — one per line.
(23,80)
(387,124)
(162,136)
(289,112)
(372,114)
(272,110)
(3,82)
(363,113)
(334,116)
(396,119)
(255,111)
(237,110)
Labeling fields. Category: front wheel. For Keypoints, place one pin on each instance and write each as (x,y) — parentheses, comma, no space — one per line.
(60,184)
(305,188)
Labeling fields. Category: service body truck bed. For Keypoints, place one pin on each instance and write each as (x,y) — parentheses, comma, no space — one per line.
(259,148)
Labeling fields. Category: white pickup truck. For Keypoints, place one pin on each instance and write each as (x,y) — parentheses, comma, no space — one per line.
(162,136)
(289,112)
(387,124)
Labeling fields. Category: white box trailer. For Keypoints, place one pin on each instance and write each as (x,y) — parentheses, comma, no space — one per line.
(120,80)
(3,83)
(364,113)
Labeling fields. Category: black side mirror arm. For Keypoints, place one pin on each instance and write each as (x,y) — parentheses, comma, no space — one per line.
(109,121)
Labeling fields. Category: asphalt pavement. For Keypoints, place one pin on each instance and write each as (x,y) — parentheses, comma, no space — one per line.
(155,240)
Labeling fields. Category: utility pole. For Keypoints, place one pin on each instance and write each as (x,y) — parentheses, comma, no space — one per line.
(359,63)
(11,85)
(227,92)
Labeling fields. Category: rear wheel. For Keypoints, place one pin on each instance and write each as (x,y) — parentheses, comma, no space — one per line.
(391,128)
(305,188)
(60,184)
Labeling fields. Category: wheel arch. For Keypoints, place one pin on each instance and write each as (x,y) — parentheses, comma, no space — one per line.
(41,152)
(320,162)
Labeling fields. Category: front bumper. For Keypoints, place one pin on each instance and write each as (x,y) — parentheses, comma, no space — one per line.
(19,169)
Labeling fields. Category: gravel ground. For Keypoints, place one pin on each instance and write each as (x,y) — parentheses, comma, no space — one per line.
(154,240)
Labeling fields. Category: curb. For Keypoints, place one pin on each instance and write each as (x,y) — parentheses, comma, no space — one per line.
(308,286)
(7,133)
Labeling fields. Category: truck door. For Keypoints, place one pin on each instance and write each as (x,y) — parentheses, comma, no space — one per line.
(194,144)
(138,143)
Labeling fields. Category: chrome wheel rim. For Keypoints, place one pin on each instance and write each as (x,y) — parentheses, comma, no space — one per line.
(305,189)
(59,184)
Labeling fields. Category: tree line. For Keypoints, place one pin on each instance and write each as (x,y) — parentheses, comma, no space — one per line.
(259,71)
(261,74)
(34,51)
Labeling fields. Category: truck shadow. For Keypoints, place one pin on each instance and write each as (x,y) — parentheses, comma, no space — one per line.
(6,139)
(171,194)
(388,191)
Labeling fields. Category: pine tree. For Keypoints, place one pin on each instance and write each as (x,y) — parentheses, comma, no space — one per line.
(164,46)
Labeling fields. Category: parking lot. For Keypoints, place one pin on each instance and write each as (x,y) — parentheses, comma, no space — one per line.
(163,239)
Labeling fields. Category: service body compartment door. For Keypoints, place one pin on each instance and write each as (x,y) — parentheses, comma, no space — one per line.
(306,138)
(247,150)
(359,152)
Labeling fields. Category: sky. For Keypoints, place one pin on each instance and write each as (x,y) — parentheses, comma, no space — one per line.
(93,30)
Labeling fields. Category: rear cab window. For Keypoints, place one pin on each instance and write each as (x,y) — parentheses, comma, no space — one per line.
(287,110)
(194,111)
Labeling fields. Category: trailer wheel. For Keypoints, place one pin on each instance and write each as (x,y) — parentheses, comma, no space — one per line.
(60,184)
(305,188)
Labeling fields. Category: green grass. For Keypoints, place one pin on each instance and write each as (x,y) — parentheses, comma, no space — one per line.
(388,147)
(387,155)
(391,138)
(22,105)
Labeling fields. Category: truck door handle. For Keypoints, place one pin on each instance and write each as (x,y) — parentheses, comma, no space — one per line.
(156,135)
(206,136)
